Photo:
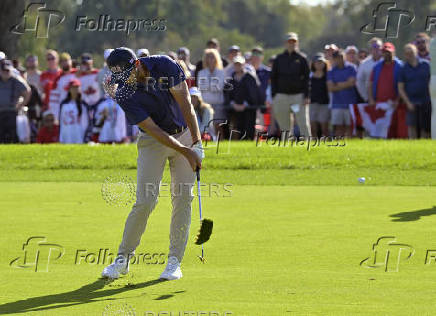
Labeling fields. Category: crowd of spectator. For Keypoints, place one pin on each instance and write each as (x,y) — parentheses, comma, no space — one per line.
(235,95)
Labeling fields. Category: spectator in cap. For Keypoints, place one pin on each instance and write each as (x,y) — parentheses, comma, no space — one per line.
(319,96)
(104,72)
(383,88)
(341,80)
(232,52)
(328,51)
(59,88)
(14,94)
(290,86)
(73,118)
(212,43)
(351,55)
(422,41)
(263,72)
(211,80)
(90,89)
(362,54)
(365,67)
(244,98)
(172,55)
(184,54)
(49,76)
(414,90)
(49,131)
(204,113)
(142,52)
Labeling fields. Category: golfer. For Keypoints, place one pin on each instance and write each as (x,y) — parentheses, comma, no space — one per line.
(153,93)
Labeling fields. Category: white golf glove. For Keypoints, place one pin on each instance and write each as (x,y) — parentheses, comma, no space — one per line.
(198,148)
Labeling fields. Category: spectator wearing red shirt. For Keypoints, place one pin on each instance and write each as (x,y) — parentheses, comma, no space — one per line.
(48,77)
(49,132)
(383,88)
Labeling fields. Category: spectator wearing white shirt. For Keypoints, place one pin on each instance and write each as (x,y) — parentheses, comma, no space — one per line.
(365,68)
(211,80)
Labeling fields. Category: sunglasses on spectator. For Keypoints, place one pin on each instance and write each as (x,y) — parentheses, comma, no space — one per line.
(51,58)
(420,42)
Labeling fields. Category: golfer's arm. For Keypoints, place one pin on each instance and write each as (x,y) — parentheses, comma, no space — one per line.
(150,127)
(180,93)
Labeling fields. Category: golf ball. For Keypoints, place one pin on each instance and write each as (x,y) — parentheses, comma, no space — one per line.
(361,180)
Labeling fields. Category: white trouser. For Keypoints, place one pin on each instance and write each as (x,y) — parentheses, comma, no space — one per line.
(152,157)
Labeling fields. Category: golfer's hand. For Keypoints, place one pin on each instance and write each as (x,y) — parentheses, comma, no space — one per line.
(193,159)
(410,106)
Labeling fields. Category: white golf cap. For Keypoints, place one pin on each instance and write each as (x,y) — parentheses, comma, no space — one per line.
(195,91)
(142,51)
(239,59)
(2,55)
(107,52)
(350,48)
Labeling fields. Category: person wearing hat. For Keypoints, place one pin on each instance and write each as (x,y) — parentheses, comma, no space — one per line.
(73,118)
(319,96)
(59,89)
(14,94)
(383,88)
(184,54)
(154,96)
(290,87)
(204,113)
(243,99)
(142,52)
(351,55)
(90,89)
(263,72)
(414,90)
(365,68)
(341,82)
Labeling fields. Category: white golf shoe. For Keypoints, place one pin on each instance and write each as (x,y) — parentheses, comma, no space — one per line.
(172,270)
(119,266)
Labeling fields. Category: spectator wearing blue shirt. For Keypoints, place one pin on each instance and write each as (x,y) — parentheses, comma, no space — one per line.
(341,82)
(154,95)
(263,72)
(413,87)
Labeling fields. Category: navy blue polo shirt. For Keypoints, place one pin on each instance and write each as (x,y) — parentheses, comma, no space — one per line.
(416,81)
(342,98)
(154,98)
(263,73)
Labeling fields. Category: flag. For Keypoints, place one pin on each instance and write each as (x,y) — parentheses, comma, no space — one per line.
(375,119)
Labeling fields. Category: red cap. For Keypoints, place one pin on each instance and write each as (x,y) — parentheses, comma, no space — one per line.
(388,47)
(73,83)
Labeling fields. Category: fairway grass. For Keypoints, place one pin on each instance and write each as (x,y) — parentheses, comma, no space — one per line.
(286,241)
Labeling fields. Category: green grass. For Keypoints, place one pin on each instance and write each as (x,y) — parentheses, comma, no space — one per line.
(288,241)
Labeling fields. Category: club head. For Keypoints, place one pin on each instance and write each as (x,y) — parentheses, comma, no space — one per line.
(202,259)
(205,231)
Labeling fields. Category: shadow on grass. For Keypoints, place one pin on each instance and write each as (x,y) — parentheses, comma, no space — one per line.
(413,215)
(86,294)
